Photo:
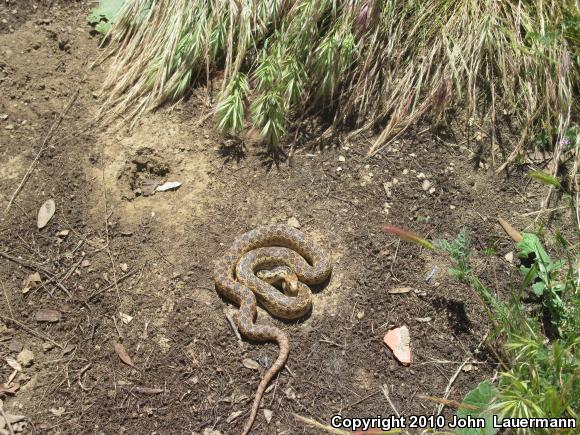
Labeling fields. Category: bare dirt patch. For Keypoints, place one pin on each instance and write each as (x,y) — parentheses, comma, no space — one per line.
(123,266)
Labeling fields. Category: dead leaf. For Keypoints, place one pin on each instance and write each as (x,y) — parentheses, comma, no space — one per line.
(233,416)
(250,364)
(169,185)
(11,391)
(148,391)
(47,315)
(399,290)
(125,318)
(469,367)
(14,364)
(32,281)
(399,341)
(268,415)
(120,349)
(45,213)
(423,319)
(57,411)
(148,186)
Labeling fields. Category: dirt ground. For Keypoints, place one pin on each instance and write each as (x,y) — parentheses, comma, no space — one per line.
(119,265)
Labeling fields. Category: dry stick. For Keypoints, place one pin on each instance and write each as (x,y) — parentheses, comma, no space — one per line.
(36,267)
(456,374)
(5,417)
(234,327)
(104,289)
(320,426)
(30,331)
(385,389)
(48,136)
(510,231)
(7,300)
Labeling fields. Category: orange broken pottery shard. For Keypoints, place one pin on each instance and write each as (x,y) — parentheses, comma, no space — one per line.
(399,341)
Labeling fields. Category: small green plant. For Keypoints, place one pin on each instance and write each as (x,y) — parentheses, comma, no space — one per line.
(540,374)
(105,14)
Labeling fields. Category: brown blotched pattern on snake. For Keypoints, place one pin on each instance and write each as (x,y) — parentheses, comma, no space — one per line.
(235,279)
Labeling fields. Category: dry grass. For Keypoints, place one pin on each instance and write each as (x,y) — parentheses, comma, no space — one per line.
(377,64)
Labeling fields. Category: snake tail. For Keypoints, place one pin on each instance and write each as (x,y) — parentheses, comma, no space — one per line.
(263,332)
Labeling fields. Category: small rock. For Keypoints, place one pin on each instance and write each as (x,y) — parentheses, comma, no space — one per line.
(85,263)
(47,345)
(124,267)
(405,171)
(4,116)
(341,159)
(293,222)
(423,319)
(426,185)
(268,415)
(509,257)
(421,176)
(47,315)
(25,357)
(399,341)
(15,346)
(9,127)
(432,190)
(338,169)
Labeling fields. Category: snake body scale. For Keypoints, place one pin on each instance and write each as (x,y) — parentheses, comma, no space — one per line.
(236,280)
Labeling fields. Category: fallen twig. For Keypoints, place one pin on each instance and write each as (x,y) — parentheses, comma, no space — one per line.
(456,374)
(5,417)
(385,389)
(48,136)
(37,268)
(234,327)
(104,289)
(320,426)
(31,331)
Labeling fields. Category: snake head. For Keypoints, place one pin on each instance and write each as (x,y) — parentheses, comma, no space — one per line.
(290,284)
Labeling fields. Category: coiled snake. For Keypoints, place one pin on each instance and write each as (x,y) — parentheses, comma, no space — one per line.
(235,278)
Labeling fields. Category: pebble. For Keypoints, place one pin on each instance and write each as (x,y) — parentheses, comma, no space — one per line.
(25,357)
(341,159)
(420,175)
(509,257)
(9,127)
(293,222)
(15,346)
(338,169)
(426,185)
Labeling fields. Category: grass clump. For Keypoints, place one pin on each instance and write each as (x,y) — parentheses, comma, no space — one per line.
(537,345)
(371,63)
